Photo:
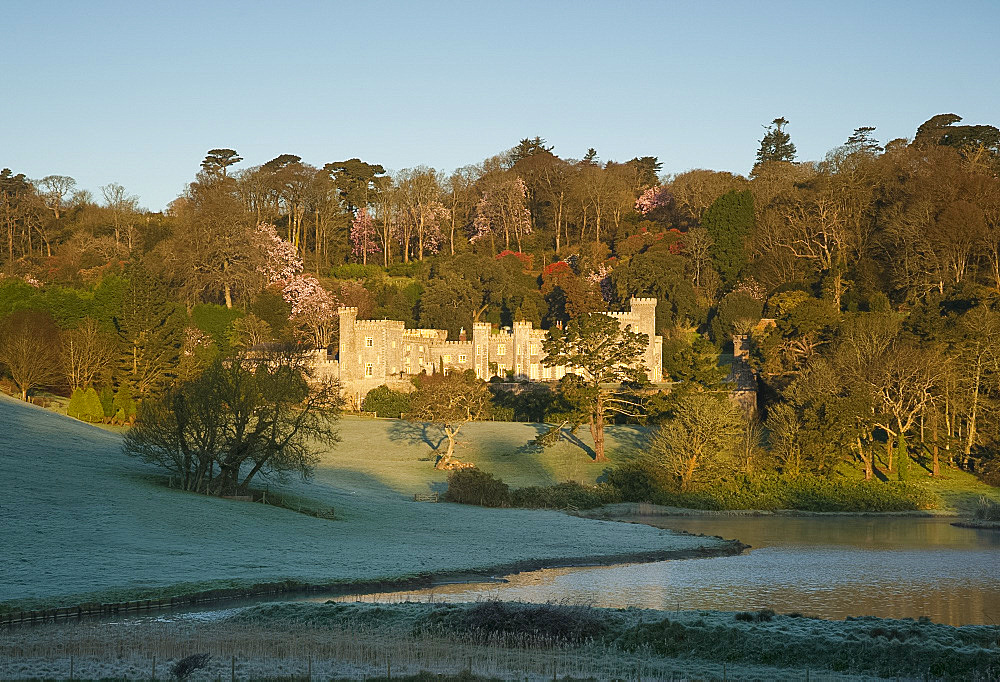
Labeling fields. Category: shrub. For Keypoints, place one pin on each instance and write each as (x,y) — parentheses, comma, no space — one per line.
(123,406)
(355,271)
(385,402)
(645,482)
(503,414)
(107,396)
(475,486)
(519,623)
(761,616)
(85,405)
(187,665)
(75,407)
(987,510)
(640,481)
(563,495)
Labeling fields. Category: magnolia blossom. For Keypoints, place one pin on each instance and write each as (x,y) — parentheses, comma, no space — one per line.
(363,236)
(652,199)
(281,259)
(752,288)
(601,278)
(502,211)
(314,309)
(421,227)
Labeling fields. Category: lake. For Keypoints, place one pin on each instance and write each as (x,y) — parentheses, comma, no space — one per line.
(830,567)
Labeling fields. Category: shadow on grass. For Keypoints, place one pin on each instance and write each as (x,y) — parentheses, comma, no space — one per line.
(417,433)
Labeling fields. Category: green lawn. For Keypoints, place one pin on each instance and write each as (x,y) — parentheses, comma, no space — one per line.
(400,455)
(78,517)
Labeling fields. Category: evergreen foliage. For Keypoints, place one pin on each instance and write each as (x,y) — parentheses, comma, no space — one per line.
(124,407)
(385,402)
(90,408)
(730,221)
(776,144)
(107,397)
(76,404)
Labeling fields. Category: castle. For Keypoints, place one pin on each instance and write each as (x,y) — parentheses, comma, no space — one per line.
(376,352)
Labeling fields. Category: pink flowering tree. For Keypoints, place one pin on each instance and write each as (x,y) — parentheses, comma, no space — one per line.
(502,211)
(281,259)
(314,309)
(364,237)
(653,199)
(419,228)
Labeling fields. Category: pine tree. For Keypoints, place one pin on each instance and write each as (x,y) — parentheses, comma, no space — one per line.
(150,327)
(777,144)
(729,221)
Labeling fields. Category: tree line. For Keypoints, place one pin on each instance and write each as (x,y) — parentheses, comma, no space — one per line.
(867,282)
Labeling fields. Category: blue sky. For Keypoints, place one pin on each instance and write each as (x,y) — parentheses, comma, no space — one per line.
(137,92)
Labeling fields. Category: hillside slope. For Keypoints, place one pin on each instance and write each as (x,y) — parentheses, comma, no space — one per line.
(78,517)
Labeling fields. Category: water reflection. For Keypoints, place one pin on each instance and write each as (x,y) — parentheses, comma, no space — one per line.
(827,567)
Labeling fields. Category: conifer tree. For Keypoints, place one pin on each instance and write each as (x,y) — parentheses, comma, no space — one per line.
(150,327)
(777,144)
(729,222)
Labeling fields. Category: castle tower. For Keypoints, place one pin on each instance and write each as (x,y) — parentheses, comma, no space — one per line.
(481,349)
(348,345)
(644,311)
(522,355)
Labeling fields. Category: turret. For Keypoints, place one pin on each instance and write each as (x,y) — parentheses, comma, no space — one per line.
(347,345)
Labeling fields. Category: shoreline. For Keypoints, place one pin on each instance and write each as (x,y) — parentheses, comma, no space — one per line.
(57,609)
(977,525)
(630,510)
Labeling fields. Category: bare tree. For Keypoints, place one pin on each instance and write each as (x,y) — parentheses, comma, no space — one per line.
(29,348)
(87,353)
(124,208)
(56,191)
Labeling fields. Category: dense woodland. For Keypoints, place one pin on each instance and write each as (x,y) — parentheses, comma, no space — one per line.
(876,272)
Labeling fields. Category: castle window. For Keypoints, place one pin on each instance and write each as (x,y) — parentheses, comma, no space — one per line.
(446,358)
(501,349)
(533,370)
(462,358)
(393,344)
(369,369)
(369,342)
(409,346)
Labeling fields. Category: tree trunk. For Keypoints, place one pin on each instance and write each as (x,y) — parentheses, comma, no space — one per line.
(597,431)
(446,458)
(889,450)
(866,459)
(935,454)
(688,474)
(229,296)
(971,438)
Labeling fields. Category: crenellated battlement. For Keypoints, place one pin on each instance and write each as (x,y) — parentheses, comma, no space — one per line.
(490,350)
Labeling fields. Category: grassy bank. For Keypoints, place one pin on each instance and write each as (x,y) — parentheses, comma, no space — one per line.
(501,640)
(81,522)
